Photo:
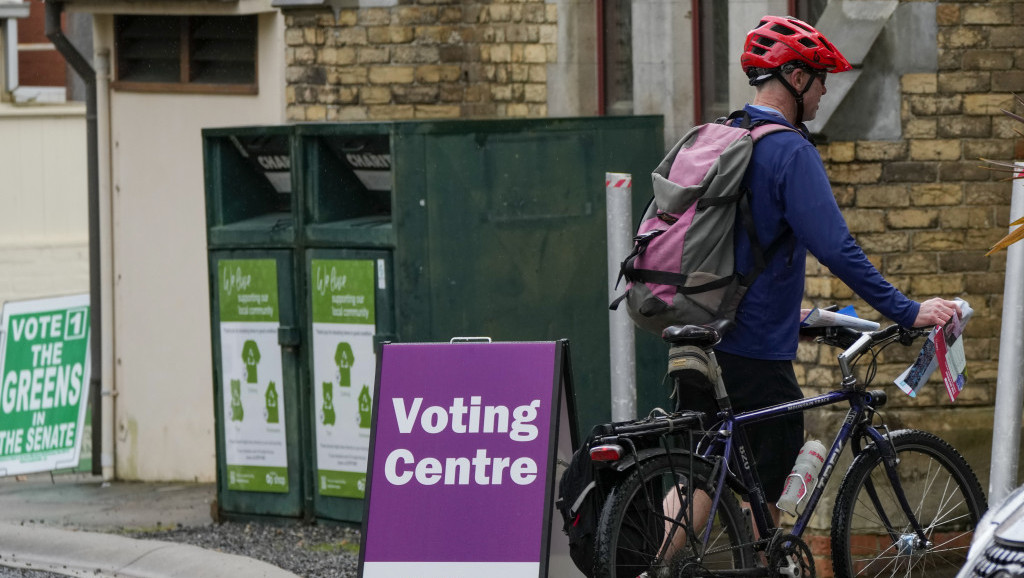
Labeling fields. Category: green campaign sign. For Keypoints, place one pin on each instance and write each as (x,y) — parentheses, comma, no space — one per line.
(252,376)
(45,387)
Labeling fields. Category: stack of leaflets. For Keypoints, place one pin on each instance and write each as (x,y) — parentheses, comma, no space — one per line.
(944,350)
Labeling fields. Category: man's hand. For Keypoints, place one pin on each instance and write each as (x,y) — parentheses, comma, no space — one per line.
(936,311)
(804,313)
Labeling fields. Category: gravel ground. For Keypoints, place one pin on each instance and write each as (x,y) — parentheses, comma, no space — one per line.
(19,573)
(321,551)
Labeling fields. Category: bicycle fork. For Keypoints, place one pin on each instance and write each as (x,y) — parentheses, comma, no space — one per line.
(856,419)
(890,460)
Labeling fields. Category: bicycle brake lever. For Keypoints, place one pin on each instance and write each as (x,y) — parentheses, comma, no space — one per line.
(908,336)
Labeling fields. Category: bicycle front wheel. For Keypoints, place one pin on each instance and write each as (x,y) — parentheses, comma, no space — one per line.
(642,532)
(872,534)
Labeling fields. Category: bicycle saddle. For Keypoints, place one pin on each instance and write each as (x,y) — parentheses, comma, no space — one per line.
(703,336)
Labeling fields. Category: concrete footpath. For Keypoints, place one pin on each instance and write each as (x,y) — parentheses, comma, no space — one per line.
(69,525)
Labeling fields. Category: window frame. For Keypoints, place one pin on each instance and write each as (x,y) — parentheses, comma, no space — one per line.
(186,24)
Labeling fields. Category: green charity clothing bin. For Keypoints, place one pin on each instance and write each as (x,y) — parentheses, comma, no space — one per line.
(348,238)
(401,231)
(255,320)
(350,307)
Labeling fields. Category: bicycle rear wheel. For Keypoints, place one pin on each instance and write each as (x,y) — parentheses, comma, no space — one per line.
(871,533)
(640,529)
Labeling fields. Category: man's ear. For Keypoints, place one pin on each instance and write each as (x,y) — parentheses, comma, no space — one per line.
(800,78)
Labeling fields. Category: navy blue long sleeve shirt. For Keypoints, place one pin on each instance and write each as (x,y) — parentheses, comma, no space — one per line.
(789,189)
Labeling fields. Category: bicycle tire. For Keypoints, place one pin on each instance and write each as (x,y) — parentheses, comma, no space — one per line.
(940,487)
(631,529)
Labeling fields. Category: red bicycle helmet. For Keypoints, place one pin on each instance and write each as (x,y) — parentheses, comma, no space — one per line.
(778,40)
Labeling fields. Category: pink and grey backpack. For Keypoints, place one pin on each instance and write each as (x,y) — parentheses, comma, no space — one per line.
(682,267)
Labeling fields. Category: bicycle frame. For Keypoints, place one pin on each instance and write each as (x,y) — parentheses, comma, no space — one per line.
(729,443)
(725,445)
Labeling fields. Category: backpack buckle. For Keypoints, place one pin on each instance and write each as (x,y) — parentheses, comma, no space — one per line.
(644,238)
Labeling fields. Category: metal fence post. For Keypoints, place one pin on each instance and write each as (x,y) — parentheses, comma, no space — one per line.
(1009,385)
(622,354)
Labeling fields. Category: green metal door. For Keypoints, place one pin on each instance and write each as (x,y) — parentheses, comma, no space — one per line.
(351,312)
(255,340)
(506,235)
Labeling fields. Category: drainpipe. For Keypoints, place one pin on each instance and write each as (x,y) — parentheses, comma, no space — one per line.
(106,244)
(85,71)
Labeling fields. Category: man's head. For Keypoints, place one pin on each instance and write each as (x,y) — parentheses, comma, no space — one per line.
(794,53)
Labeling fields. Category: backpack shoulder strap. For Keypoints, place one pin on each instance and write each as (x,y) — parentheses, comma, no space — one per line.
(761,254)
(768,127)
(741,115)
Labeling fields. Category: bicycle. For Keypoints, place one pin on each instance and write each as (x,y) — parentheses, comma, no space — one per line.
(907,505)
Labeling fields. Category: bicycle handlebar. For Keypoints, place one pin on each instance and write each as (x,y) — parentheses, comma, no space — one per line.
(855,343)
(846,337)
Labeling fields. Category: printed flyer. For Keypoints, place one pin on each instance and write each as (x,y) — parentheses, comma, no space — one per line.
(344,371)
(45,368)
(949,351)
(252,376)
(943,350)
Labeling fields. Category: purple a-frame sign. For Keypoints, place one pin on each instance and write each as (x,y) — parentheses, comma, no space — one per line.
(462,460)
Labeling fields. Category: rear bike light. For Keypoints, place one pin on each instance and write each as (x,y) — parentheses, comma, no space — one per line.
(606,453)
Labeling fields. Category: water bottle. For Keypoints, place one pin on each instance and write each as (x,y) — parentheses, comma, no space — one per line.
(801,480)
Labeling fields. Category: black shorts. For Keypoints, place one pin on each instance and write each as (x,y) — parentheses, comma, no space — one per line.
(754,384)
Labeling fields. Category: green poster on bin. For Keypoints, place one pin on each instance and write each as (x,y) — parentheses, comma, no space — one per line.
(45,388)
(255,444)
(344,369)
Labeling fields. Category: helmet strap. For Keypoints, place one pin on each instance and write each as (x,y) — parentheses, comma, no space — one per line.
(798,95)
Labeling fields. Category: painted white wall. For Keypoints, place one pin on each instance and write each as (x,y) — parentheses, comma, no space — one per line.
(743,17)
(44,239)
(663,63)
(164,413)
(572,78)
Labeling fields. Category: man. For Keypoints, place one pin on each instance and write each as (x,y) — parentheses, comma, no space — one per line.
(788,61)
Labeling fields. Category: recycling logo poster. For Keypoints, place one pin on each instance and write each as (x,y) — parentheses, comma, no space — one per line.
(44,361)
(344,370)
(256,451)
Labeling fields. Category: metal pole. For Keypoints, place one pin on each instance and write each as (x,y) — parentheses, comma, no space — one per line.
(1009,385)
(74,58)
(622,354)
(105,242)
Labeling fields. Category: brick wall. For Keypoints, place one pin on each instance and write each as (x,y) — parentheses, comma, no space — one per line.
(924,208)
(422,59)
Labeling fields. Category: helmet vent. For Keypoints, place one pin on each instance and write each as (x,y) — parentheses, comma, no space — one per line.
(796,22)
(785,30)
(808,43)
(758,50)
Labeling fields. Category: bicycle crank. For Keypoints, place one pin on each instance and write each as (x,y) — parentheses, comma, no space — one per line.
(790,556)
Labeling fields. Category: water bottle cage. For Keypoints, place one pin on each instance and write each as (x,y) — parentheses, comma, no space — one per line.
(803,494)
